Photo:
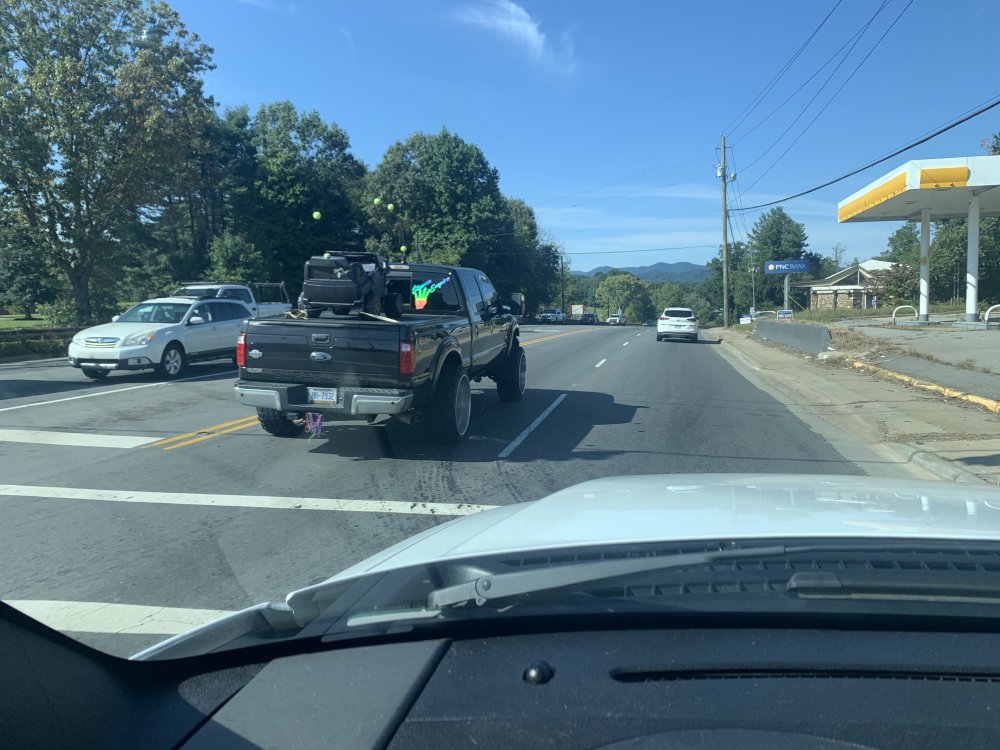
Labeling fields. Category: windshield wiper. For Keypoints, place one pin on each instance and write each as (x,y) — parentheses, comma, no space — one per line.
(506,585)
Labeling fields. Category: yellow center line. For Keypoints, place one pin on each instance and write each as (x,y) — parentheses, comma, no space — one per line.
(175,438)
(214,434)
(554,336)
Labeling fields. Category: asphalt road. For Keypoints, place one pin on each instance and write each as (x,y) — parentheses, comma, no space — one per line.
(133,509)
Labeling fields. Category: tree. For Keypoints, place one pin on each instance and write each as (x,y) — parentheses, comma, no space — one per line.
(25,282)
(303,165)
(101,100)
(236,258)
(776,236)
(628,293)
(904,245)
(896,285)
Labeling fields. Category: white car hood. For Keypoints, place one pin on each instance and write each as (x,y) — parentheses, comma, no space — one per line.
(679,507)
(123,330)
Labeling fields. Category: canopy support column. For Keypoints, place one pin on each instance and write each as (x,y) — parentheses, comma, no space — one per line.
(972,270)
(925,264)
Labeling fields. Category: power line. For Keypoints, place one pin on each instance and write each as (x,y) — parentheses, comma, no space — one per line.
(823,86)
(903,149)
(588,190)
(835,93)
(748,110)
(624,195)
(805,83)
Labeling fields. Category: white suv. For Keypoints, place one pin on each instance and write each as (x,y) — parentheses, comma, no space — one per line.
(162,334)
(616,320)
(677,321)
(552,316)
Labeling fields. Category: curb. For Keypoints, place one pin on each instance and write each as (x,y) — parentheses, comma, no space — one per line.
(971,398)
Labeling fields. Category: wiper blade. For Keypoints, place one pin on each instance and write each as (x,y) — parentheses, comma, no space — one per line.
(506,585)
(925,586)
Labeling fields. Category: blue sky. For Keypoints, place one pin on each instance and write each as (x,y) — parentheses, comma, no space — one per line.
(606,116)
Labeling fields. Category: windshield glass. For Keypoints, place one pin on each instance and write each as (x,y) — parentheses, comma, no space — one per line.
(727,265)
(155,312)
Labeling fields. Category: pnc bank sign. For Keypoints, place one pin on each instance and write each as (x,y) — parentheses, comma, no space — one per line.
(786,266)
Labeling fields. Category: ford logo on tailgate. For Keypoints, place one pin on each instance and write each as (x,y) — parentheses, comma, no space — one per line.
(320,357)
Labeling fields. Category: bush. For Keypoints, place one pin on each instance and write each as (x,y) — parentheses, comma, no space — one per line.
(62,312)
(46,347)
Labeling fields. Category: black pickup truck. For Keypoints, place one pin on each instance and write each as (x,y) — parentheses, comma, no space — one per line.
(454,328)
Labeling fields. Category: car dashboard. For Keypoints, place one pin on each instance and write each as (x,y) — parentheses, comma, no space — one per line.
(739,686)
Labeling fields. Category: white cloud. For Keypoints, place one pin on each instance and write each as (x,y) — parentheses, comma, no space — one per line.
(512,22)
(349,38)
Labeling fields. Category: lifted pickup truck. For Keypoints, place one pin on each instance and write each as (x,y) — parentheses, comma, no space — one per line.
(454,328)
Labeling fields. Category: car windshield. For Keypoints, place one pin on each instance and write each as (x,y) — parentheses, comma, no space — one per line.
(727,266)
(156,312)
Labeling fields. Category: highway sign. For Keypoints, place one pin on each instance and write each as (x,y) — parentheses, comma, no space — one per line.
(786,266)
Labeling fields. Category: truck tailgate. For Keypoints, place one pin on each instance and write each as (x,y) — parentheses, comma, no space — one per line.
(323,352)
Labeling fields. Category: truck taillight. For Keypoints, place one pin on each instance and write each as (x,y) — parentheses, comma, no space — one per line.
(406,360)
(241,350)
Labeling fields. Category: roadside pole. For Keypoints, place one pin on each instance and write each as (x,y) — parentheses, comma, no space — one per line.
(725,238)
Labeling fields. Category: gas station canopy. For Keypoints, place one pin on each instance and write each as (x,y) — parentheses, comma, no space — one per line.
(942,185)
(934,189)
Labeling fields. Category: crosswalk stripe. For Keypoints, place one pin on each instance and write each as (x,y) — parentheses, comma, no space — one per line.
(244,501)
(75,439)
(122,619)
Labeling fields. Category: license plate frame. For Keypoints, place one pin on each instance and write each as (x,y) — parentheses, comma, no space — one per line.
(323,396)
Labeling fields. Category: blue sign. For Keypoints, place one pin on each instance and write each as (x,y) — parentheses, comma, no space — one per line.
(786,266)
(784,315)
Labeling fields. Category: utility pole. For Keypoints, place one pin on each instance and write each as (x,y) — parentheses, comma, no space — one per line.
(562,280)
(725,237)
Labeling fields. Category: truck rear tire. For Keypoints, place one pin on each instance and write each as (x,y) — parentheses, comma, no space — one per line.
(512,374)
(450,410)
(276,423)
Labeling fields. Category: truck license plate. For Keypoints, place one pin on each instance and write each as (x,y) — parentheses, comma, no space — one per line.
(322,395)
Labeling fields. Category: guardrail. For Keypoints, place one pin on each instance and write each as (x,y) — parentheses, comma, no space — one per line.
(915,316)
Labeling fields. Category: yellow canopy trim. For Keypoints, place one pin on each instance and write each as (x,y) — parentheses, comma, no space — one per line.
(944,177)
(879,194)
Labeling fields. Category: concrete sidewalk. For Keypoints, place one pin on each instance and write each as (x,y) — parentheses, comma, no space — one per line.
(901,426)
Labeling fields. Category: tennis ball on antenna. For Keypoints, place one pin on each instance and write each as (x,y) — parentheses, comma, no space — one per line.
(390,207)
(377,201)
(402,249)
(317,215)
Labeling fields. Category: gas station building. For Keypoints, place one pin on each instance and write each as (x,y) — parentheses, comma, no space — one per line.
(930,190)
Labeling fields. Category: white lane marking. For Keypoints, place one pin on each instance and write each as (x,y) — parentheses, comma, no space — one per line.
(531,427)
(76,439)
(638,335)
(243,501)
(116,390)
(626,343)
(600,363)
(103,617)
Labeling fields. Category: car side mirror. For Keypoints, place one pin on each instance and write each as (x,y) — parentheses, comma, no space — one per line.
(114,318)
(195,320)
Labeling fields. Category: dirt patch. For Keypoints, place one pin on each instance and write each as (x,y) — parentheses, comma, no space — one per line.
(937,437)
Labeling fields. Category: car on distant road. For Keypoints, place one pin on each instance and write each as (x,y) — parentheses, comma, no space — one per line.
(588,319)
(677,322)
(162,334)
(648,323)
(552,316)
(616,320)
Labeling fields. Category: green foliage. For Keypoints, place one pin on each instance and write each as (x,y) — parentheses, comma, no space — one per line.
(235,258)
(628,293)
(25,280)
(448,208)
(898,285)
(904,245)
(949,252)
(95,118)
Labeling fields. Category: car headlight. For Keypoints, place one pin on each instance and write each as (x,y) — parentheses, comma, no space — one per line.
(78,338)
(137,339)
